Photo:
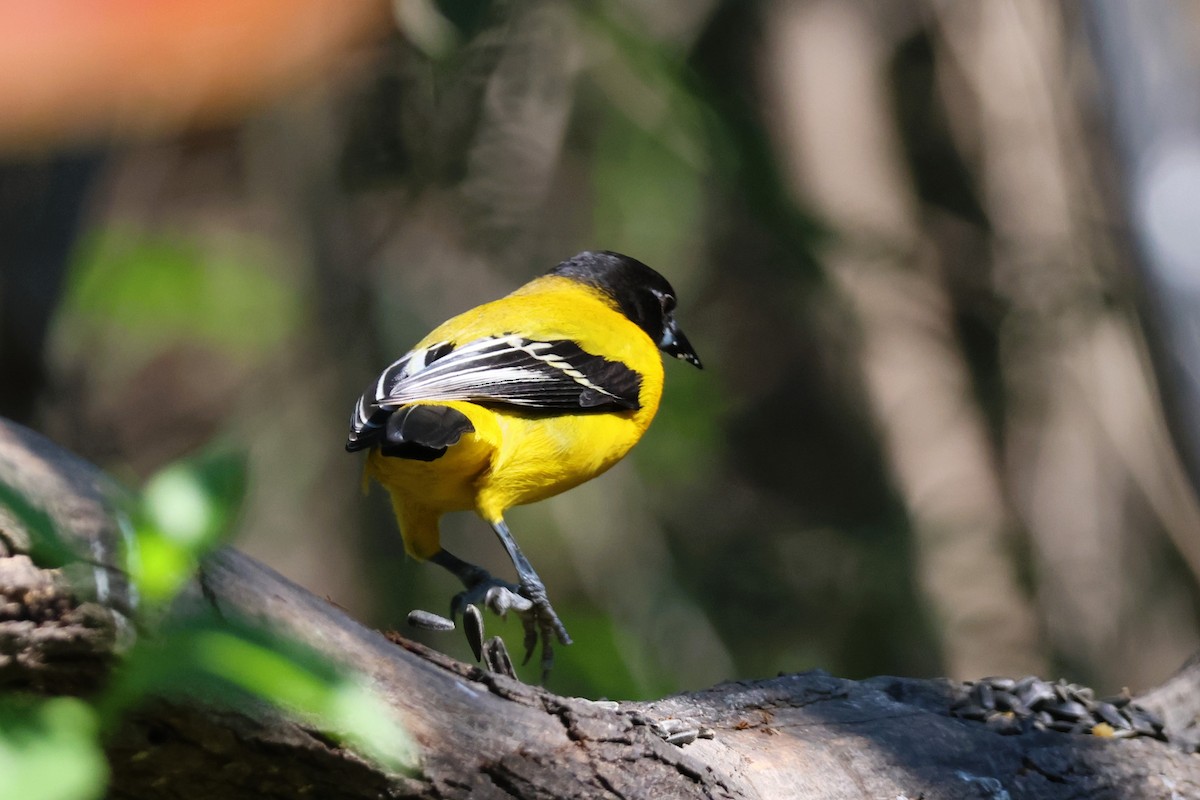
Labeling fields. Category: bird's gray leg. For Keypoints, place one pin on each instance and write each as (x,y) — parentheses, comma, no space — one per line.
(470,574)
(482,588)
(528,599)
(541,621)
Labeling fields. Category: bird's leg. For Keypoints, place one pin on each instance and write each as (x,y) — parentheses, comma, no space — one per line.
(482,588)
(541,621)
(527,598)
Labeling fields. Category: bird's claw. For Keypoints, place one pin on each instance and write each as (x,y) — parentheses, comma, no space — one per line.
(496,658)
(493,653)
(542,623)
(473,627)
(529,602)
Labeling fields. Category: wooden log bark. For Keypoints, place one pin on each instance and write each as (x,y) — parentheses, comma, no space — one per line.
(483,735)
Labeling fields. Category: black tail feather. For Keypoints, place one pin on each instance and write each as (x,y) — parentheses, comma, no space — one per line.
(423,432)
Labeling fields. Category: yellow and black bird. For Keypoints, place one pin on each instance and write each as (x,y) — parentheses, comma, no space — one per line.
(515,401)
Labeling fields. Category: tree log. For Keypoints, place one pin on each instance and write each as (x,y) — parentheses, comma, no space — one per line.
(484,735)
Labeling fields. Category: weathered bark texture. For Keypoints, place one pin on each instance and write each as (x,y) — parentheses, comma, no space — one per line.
(482,735)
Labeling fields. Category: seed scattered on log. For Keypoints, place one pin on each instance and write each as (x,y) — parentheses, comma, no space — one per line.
(1011,706)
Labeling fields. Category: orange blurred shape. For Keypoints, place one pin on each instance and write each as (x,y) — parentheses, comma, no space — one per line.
(78,70)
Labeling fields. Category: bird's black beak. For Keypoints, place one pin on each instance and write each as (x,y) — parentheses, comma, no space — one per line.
(674,343)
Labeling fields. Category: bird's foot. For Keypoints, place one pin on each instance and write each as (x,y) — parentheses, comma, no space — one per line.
(528,600)
(491,593)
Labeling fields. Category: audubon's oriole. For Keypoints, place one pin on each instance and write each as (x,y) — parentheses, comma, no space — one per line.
(515,401)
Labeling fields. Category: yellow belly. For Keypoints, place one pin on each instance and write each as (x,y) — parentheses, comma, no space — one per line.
(511,459)
(540,457)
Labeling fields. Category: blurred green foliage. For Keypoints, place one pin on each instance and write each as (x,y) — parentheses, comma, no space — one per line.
(648,196)
(607,662)
(52,748)
(176,285)
(185,510)
(674,452)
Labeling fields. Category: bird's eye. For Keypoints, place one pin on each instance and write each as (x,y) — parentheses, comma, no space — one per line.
(668,303)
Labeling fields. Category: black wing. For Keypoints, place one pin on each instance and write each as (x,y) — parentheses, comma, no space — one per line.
(504,370)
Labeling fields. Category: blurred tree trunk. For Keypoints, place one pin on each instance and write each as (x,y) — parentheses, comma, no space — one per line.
(1086,453)
(827,67)
(1147,61)
(999,334)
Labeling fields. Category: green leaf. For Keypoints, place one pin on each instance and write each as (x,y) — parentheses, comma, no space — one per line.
(50,750)
(228,660)
(186,510)
(193,502)
(344,707)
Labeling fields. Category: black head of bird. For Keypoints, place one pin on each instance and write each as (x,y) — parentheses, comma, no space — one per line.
(644,296)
